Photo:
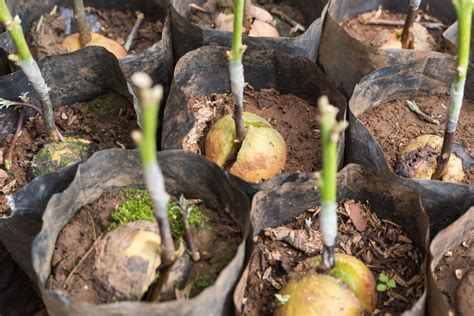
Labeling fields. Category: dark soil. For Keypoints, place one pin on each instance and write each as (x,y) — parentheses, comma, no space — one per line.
(214,7)
(290,115)
(79,120)
(115,24)
(454,275)
(426,38)
(217,242)
(392,124)
(381,245)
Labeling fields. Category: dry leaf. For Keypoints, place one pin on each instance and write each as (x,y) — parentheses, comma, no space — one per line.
(356,214)
(260,28)
(225,22)
(3,177)
(261,14)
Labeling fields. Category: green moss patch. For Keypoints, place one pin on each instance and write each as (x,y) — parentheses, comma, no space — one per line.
(138,206)
(201,282)
(108,105)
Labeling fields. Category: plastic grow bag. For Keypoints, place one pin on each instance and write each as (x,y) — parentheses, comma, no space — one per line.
(447,239)
(157,60)
(346,60)
(389,199)
(443,201)
(74,77)
(205,71)
(17,296)
(114,170)
(188,36)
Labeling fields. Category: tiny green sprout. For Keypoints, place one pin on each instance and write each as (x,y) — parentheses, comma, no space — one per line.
(386,283)
(282,299)
(185,208)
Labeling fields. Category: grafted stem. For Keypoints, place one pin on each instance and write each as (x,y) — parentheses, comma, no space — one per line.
(464,12)
(80,16)
(30,68)
(236,70)
(329,129)
(407,38)
(150,98)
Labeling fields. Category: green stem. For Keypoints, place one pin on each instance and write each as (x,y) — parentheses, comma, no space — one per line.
(81,21)
(237,50)
(464,12)
(329,130)
(236,69)
(30,68)
(150,98)
(16,32)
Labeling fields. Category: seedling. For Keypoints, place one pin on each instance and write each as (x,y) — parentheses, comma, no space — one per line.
(422,115)
(385,283)
(407,38)
(186,208)
(51,156)
(150,98)
(29,66)
(464,12)
(85,37)
(244,135)
(430,156)
(320,288)
(236,69)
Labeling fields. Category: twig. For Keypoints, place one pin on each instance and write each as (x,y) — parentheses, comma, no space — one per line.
(296,26)
(422,115)
(81,261)
(54,10)
(11,148)
(40,22)
(198,8)
(133,32)
(386,22)
(93,225)
(428,25)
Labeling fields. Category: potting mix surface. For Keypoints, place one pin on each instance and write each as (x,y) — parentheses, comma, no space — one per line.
(293,117)
(107,122)
(379,243)
(454,275)
(371,28)
(46,37)
(217,238)
(215,14)
(393,124)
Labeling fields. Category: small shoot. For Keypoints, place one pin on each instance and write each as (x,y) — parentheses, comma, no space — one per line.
(85,37)
(407,38)
(330,129)
(185,208)
(385,283)
(422,115)
(236,70)
(282,299)
(464,12)
(25,60)
(150,97)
